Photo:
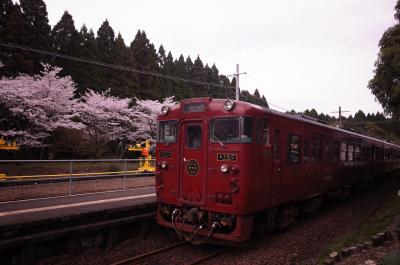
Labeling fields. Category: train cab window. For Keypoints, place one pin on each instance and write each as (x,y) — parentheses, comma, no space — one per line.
(167,131)
(246,129)
(193,137)
(343,151)
(262,131)
(294,142)
(350,154)
(231,130)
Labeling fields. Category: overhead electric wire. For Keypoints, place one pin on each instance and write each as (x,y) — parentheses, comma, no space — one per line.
(113,66)
(124,68)
(366,122)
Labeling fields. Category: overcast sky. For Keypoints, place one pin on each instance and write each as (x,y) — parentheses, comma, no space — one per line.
(299,53)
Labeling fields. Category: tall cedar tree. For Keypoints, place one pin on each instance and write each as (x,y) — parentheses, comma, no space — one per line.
(105,42)
(168,86)
(146,59)
(89,73)
(6,7)
(124,82)
(38,33)
(66,41)
(15,30)
(385,84)
(199,74)
(181,91)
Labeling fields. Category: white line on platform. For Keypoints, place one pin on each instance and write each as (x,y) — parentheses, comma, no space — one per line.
(40,209)
(75,195)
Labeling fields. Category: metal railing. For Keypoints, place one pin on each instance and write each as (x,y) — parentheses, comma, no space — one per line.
(23,172)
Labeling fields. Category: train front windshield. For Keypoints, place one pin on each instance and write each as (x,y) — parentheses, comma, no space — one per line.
(231,130)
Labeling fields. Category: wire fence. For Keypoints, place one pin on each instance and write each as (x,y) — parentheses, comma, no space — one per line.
(26,179)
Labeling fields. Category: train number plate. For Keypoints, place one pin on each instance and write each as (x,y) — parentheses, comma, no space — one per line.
(226,157)
(165,154)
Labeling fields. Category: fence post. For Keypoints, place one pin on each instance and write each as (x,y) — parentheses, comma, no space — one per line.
(70,177)
(125,174)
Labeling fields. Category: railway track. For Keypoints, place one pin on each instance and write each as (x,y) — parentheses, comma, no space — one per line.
(148,256)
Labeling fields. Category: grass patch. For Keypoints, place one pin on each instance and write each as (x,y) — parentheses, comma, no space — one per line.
(377,223)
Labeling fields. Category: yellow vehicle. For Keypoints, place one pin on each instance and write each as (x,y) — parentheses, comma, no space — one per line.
(146,163)
(7,146)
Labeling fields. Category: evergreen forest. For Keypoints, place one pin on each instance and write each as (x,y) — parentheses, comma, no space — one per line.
(27,24)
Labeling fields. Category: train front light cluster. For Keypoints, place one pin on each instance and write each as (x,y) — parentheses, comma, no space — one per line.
(224,168)
(223,198)
(231,169)
(164,110)
(162,164)
(229,105)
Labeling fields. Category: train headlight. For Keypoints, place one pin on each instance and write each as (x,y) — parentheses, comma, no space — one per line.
(164,164)
(164,110)
(224,168)
(233,170)
(229,105)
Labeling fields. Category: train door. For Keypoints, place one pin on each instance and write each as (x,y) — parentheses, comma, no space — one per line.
(193,168)
(276,161)
(263,156)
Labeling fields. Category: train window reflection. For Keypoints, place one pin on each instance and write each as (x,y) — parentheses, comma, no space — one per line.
(167,131)
(231,130)
(294,149)
(343,150)
(193,137)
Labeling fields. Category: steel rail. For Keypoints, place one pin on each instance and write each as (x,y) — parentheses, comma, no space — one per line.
(209,256)
(149,254)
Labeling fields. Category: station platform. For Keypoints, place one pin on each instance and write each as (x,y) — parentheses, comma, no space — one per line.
(35,228)
(45,209)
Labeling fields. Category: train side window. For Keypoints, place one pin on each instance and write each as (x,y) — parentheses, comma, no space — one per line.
(316,149)
(350,154)
(294,142)
(357,152)
(263,131)
(336,151)
(305,150)
(343,150)
(275,144)
(193,137)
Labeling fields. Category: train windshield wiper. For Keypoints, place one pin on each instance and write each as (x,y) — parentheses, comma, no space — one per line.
(218,140)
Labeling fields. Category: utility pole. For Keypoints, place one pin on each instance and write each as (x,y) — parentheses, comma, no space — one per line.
(236,75)
(340,116)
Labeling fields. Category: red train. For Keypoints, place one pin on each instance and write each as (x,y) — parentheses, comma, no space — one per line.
(227,168)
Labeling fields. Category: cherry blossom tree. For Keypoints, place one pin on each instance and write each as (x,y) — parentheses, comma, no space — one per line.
(106,119)
(32,107)
(145,114)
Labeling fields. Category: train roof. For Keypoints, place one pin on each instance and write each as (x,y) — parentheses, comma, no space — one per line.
(310,120)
